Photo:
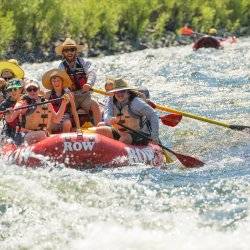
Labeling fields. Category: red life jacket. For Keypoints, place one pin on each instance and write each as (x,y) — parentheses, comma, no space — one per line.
(77,75)
(56,104)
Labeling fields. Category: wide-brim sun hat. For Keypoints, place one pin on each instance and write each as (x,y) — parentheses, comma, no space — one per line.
(69,43)
(12,67)
(46,79)
(14,83)
(120,84)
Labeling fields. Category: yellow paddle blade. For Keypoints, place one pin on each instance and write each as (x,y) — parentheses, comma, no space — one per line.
(168,159)
(86,125)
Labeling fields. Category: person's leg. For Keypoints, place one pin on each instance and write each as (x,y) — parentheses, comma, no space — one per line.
(102,130)
(96,111)
(125,138)
(67,126)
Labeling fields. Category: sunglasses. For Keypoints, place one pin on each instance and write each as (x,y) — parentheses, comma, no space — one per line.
(69,50)
(7,78)
(31,89)
(12,89)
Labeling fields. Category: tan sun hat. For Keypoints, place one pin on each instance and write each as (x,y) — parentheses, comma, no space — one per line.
(12,67)
(120,84)
(56,72)
(70,43)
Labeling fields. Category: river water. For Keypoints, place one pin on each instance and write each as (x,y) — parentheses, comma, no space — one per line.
(141,207)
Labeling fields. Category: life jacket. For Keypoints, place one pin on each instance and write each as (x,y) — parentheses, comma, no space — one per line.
(130,118)
(77,74)
(37,117)
(56,104)
(186,31)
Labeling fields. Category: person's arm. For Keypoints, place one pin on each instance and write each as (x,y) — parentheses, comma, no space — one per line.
(57,116)
(90,71)
(61,66)
(142,108)
(108,110)
(13,114)
(73,110)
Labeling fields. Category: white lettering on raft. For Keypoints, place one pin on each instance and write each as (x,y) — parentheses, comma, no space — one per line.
(78,146)
(137,155)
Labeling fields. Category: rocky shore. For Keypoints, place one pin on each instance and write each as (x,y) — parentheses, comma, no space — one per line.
(100,47)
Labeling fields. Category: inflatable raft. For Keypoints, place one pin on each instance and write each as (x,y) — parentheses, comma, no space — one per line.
(82,151)
(207,42)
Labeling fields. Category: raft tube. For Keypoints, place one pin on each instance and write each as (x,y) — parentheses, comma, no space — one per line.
(207,42)
(82,151)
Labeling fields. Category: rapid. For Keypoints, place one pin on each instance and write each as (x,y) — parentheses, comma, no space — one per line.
(141,207)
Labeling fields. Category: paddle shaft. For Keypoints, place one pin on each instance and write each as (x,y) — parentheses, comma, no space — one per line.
(32,105)
(200,118)
(186,114)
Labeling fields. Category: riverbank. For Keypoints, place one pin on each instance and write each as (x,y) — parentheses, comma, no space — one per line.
(100,47)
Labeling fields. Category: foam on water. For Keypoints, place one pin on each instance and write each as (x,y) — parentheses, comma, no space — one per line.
(139,207)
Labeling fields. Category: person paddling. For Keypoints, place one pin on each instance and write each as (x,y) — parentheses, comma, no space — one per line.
(128,108)
(14,87)
(35,122)
(8,70)
(82,75)
(58,82)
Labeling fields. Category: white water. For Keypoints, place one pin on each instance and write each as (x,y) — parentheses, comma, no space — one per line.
(141,207)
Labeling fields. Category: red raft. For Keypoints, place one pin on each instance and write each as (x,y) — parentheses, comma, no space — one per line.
(207,42)
(82,151)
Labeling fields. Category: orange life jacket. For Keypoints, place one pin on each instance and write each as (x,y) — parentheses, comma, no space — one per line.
(185,31)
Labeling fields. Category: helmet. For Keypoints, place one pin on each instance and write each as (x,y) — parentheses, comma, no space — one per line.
(212,31)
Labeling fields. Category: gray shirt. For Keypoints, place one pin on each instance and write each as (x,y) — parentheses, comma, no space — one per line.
(139,107)
(88,68)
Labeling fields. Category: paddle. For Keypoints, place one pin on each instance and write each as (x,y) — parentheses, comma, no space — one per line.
(31,105)
(187,161)
(171,120)
(201,118)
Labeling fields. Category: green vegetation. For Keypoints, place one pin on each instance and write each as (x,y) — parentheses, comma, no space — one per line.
(34,24)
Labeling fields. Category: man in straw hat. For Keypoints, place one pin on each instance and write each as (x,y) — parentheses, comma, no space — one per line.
(8,70)
(82,75)
(58,83)
(127,107)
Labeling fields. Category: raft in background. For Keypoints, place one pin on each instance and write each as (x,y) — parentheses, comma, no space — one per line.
(207,42)
(82,151)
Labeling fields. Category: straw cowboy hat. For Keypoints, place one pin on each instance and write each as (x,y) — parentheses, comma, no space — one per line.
(56,72)
(12,67)
(120,84)
(70,43)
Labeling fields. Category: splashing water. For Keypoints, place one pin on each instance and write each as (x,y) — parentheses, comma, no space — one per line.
(139,207)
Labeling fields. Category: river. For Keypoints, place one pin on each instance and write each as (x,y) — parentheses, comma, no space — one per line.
(141,207)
